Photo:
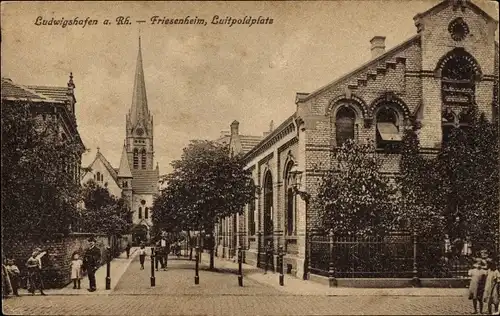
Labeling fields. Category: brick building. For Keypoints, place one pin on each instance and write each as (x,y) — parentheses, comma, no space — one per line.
(49,103)
(136,179)
(432,78)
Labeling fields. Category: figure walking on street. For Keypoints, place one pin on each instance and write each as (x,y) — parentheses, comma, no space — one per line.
(142,255)
(34,277)
(269,256)
(476,286)
(91,261)
(491,288)
(76,271)
(14,275)
(127,249)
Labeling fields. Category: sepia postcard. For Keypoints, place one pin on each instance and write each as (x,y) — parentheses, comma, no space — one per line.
(250,157)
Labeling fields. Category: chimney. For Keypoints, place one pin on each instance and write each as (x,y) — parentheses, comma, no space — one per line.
(235,128)
(378,46)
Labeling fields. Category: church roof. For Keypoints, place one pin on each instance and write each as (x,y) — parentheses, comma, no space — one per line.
(124,170)
(145,181)
(139,109)
(249,142)
(106,163)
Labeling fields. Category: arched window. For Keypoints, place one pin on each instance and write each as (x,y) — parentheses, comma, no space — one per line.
(458,78)
(344,125)
(140,212)
(388,134)
(136,158)
(251,218)
(143,159)
(290,201)
(146,213)
(268,205)
(98,176)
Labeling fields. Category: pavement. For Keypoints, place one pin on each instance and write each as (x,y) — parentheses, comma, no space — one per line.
(218,293)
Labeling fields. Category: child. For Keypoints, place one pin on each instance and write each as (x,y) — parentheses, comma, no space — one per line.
(14,274)
(76,270)
(34,278)
(491,295)
(142,255)
(476,287)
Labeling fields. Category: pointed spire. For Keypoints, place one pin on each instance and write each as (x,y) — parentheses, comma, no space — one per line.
(124,170)
(139,109)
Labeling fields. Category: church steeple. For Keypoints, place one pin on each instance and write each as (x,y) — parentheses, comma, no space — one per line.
(139,112)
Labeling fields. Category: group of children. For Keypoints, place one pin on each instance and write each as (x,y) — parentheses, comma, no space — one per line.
(484,286)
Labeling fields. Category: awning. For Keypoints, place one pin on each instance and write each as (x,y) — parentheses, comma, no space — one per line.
(388,132)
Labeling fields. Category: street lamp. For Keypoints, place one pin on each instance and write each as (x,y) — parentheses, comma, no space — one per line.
(296,176)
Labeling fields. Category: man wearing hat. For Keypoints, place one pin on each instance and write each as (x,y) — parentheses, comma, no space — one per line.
(91,261)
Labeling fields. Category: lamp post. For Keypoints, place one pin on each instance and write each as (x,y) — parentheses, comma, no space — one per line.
(240,268)
(108,269)
(153,280)
(296,177)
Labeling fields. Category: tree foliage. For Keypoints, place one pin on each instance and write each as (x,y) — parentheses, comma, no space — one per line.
(103,213)
(39,196)
(355,198)
(468,175)
(417,184)
(207,184)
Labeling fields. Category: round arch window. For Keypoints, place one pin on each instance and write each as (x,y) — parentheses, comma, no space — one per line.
(458,29)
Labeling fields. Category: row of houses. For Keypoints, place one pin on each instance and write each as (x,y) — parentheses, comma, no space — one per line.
(431,78)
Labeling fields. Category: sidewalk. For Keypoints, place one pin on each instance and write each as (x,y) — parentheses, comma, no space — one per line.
(118,267)
(295,286)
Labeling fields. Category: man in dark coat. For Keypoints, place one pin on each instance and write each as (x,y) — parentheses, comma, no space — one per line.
(91,262)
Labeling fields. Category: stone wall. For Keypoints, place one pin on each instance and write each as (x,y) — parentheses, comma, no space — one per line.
(56,264)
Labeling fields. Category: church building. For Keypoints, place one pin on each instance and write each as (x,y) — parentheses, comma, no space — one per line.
(136,178)
(432,78)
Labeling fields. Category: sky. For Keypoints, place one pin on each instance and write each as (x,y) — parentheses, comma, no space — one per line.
(199,78)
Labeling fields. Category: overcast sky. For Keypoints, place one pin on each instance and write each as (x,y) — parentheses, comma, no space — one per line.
(198,78)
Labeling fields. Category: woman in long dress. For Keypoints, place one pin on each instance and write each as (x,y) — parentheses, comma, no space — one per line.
(491,290)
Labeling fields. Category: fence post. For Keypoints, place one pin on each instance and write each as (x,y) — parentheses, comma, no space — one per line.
(415,279)
(153,281)
(258,247)
(240,267)
(280,264)
(309,252)
(331,277)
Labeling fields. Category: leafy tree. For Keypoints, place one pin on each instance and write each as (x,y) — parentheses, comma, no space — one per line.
(104,213)
(355,198)
(39,195)
(417,183)
(207,184)
(469,178)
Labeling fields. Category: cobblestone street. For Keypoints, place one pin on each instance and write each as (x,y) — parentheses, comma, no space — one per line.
(219,294)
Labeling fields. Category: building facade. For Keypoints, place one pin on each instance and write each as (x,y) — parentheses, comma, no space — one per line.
(50,103)
(431,78)
(137,178)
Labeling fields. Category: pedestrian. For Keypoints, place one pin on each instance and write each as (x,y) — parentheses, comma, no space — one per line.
(491,289)
(142,255)
(158,255)
(35,280)
(76,270)
(6,284)
(476,286)
(127,249)
(14,276)
(91,262)
(269,256)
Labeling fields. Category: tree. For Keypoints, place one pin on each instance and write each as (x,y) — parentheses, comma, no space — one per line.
(355,198)
(103,212)
(467,166)
(39,195)
(416,184)
(207,184)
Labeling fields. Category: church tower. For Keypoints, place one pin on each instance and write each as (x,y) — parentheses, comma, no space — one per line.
(139,123)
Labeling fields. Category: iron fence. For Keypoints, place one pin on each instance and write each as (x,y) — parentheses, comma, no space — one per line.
(396,256)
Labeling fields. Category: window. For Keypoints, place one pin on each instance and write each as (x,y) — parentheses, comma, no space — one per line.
(448,124)
(124,184)
(251,218)
(146,213)
(136,158)
(98,176)
(344,125)
(140,212)
(290,201)
(388,135)
(458,29)
(143,160)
